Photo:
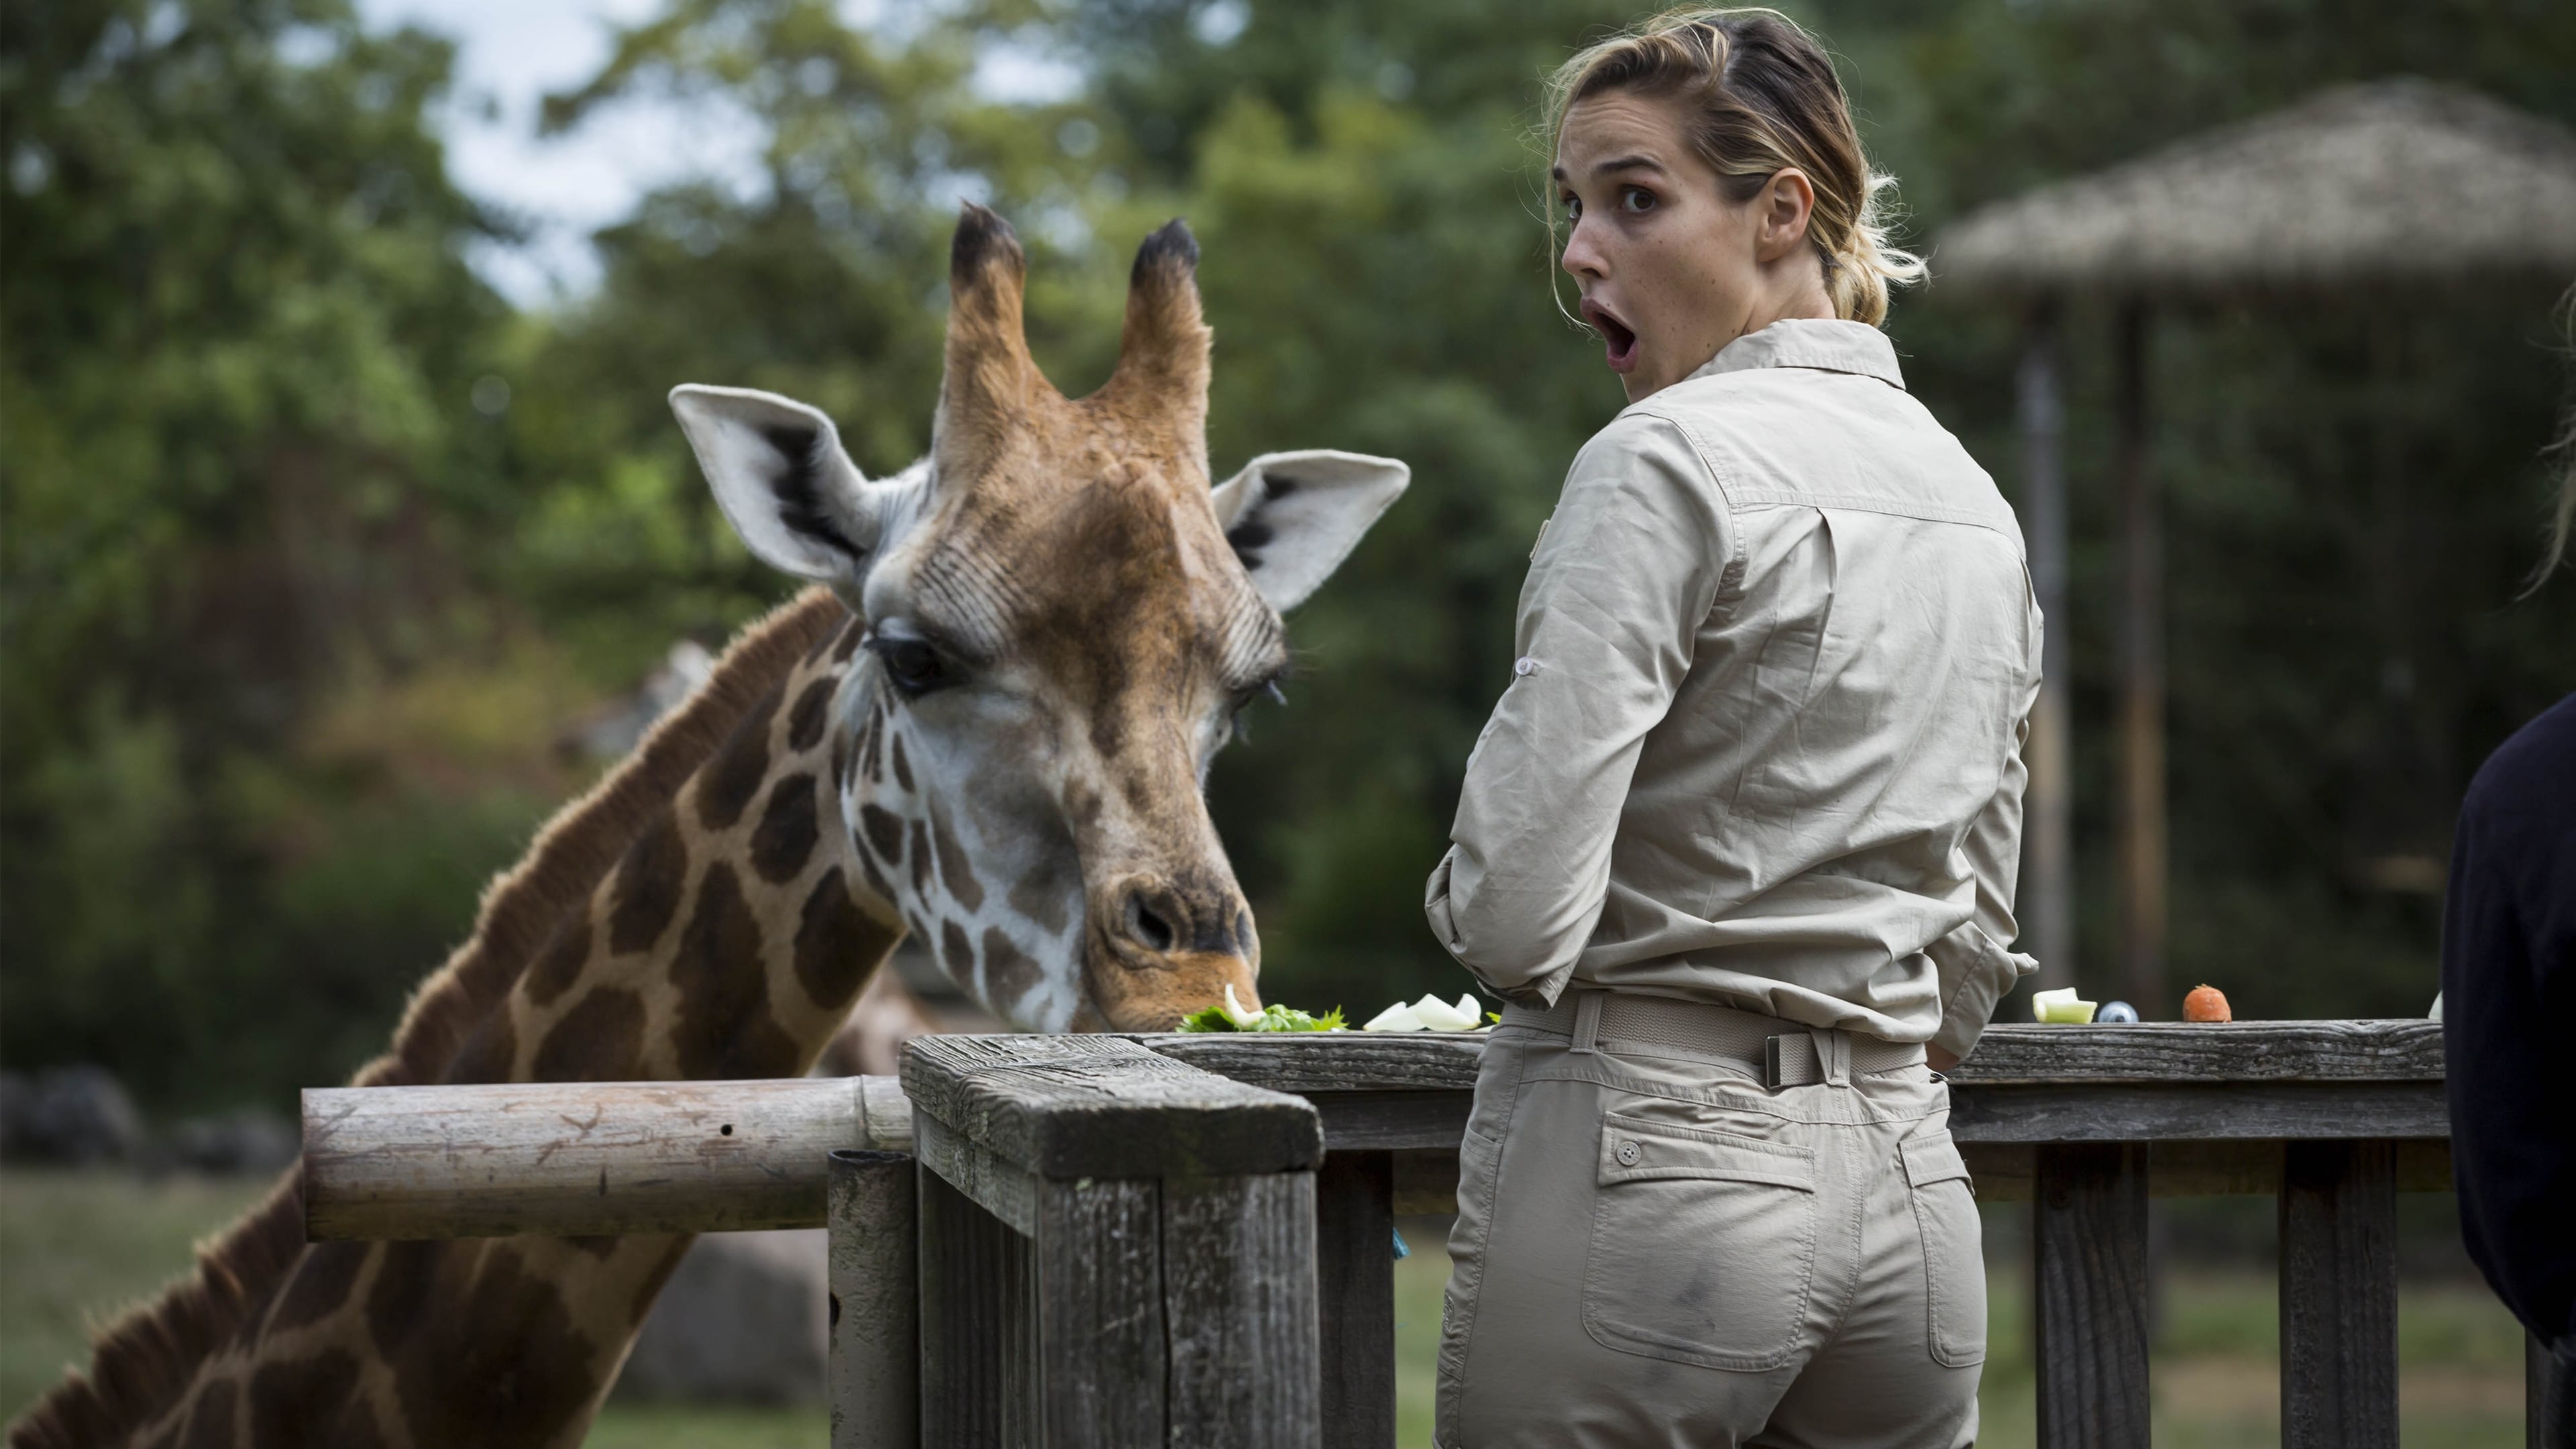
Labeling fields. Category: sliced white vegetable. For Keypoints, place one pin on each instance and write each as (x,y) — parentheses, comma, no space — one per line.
(2061,1006)
(1439,1015)
(1234,1012)
(1398,1017)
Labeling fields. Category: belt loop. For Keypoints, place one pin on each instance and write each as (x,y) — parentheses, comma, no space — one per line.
(1833,1055)
(1587,1020)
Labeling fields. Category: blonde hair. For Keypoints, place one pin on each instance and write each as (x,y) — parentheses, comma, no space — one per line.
(1762,96)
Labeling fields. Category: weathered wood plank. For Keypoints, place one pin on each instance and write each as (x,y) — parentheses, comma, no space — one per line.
(1095,1106)
(976,1324)
(2339,1296)
(1239,1302)
(1005,1189)
(2089,1248)
(1355,1293)
(1388,1121)
(2223,1168)
(875,1290)
(579,1158)
(1103,1355)
(2189,1111)
(1331,1061)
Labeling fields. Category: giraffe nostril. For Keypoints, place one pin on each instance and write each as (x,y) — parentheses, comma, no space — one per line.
(1147,927)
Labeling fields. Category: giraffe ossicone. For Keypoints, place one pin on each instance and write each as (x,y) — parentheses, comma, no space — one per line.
(989,726)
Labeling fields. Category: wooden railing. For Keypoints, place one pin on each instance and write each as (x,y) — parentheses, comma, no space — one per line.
(1185,1239)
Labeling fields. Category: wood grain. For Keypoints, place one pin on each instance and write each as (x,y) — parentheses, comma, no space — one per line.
(875,1292)
(2089,1250)
(1355,1293)
(977,1324)
(1097,1106)
(2339,1296)
(1103,1337)
(2198,1111)
(1239,1296)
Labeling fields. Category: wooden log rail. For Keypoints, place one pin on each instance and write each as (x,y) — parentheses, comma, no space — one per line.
(1185,1238)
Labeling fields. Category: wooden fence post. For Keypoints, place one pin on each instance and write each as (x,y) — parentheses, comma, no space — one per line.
(2089,1257)
(1355,1272)
(2338,1295)
(1117,1248)
(875,1355)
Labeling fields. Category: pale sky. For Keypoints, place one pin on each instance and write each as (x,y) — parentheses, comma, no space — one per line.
(513,52)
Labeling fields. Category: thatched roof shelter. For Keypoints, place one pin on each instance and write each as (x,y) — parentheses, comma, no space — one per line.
(2390,181)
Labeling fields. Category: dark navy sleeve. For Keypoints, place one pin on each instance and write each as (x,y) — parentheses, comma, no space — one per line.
(2509,1014)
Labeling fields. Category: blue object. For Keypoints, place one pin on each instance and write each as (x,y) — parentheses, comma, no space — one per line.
(2116,1011)
(1401,1251)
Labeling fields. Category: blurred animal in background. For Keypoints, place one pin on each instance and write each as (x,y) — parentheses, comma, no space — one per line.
(988,727)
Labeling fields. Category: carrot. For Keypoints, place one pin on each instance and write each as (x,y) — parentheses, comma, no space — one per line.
(2206,1003)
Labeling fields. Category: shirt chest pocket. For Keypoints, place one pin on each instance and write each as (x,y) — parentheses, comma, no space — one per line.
(1703,1245)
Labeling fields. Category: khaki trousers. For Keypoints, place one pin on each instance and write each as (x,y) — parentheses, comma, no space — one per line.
(1656,1250)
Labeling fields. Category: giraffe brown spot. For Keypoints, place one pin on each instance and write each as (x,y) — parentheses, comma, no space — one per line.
(723,1027)
(649,882)
(920,860)
(848,643)
(728,783)
(784,839)
(210,1419)
(399,1297)
(1009,972)
(500,1366)
(305,1400)
(1034,899)
(566,953)
(600,1040)
(956,952)
(902,766)
(489,1054)
(674,1248)
(884,833)
(805,720)
(319,1284)
(955,870)
(836,944)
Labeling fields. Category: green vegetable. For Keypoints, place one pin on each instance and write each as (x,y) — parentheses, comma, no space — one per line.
(1272,1018)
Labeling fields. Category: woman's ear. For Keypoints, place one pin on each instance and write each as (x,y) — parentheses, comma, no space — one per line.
(1782,210)
(1293,517)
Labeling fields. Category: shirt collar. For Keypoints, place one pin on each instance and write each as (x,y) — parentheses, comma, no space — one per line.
(1833,346)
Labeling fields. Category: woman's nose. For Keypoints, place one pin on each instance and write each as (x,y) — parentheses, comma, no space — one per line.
(1582,258)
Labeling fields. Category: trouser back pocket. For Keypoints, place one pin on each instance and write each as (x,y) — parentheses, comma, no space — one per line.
(1954,1258)
(1703,1244)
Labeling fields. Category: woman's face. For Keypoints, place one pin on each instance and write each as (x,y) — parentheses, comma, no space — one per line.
(1670,269)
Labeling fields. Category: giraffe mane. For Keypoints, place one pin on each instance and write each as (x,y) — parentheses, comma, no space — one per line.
(142,1366)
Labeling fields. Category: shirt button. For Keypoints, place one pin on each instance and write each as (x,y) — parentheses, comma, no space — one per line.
(1524,666)
(1628,1154)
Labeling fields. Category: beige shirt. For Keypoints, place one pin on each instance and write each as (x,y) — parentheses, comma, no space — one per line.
(1762,743)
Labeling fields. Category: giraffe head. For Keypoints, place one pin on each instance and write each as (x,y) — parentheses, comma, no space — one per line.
(1062,620)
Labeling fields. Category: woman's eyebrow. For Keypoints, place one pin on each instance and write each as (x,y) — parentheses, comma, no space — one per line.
(1605,168)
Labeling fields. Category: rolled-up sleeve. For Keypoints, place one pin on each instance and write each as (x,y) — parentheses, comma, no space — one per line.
(1975,963)
(1623,576)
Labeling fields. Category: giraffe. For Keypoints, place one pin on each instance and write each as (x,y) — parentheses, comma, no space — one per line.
(988,722)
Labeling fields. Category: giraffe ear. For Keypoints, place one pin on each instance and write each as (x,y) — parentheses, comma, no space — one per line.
(783,480)
(1293,517)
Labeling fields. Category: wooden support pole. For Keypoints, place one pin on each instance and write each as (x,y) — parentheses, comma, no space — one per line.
(975,1323)
(1239,1299)
(2089,1253)
(2338,1296)
(2047,896)
(2142,685)
(875,1353)
(1355,1291)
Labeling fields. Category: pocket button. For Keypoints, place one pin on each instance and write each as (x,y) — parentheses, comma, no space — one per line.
(1628,1154)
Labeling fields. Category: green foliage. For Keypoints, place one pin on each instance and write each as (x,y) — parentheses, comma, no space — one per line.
(291,625)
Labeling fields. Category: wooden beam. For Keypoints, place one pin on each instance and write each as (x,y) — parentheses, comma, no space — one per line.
(1355,1293)
(2199,1111)
(2400,1050)
(2089,1252)
(1102,1106)
(875,1287)
(2339,1296)
(1104,1369)
(1238,1277)
(2047,896)
(977,1330)
(583,1158)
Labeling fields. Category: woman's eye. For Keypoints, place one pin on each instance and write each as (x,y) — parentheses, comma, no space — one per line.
(914,666)
(1573,209)
(1636,199)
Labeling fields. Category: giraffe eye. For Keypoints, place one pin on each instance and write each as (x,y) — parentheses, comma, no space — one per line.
(914,665)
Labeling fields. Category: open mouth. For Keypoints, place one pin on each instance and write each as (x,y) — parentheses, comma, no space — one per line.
(1618,339)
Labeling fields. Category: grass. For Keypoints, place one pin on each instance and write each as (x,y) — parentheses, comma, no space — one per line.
(75,1247)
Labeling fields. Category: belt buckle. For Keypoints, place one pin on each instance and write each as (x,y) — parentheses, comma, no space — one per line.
(1771,1073)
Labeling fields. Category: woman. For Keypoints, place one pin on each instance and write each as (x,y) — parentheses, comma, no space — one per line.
(1739,842)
